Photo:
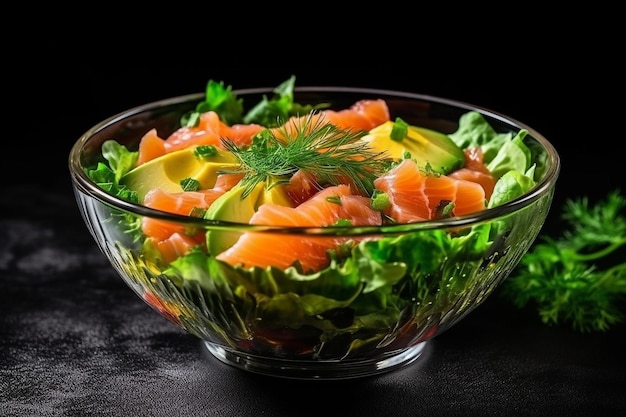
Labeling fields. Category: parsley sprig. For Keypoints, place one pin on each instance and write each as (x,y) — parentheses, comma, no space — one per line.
(579,278)
(326,152)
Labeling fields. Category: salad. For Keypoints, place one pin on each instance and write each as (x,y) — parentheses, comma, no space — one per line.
(331,288)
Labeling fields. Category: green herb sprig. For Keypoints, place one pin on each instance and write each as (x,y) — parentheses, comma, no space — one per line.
(580,278)
(328,153)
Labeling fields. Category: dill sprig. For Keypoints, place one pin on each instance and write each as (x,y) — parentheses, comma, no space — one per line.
(328,153)
(579,278)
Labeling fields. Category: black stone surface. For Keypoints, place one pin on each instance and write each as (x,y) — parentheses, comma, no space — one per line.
(75,341)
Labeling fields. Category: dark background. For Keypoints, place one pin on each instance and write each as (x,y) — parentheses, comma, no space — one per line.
(559,70)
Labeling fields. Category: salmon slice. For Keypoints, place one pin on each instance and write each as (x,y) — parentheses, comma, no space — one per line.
(175,246)
(363,115)
(476,171)
(177,203)
(415,196)
(182,203)
(209,131)
(468,197)
(302,186)
(438,191)
(404,186)
(281,250)
(151,146)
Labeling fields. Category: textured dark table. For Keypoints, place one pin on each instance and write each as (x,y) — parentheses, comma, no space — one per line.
(75,341)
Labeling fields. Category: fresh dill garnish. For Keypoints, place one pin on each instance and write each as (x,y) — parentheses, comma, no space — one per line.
(328,153)
(579,278)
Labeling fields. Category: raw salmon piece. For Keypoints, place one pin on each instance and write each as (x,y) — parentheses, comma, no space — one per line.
(177,203)
(282,250)
(296,125)
(476,171)
(301,187)
(439,191)
(470,198)
(209,131)
(417,197)
(151,146)
(175,246)
(160,229)
(359,211)
(225,182)
(363,115)
(404,186)
(182,203)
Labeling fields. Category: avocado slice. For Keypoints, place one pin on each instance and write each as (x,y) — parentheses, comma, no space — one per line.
(232,206)
(426,146)
(167,171)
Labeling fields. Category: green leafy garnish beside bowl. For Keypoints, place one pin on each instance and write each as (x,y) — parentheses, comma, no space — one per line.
(579,278)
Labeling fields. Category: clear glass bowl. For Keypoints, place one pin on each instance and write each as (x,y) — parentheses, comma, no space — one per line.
(285,324)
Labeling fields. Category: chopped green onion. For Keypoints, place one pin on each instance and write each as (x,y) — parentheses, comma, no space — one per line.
(190,184)
(380,201)
(335,199)
(400,130)
(205,151)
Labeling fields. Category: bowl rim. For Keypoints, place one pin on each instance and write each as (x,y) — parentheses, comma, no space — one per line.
(83,184)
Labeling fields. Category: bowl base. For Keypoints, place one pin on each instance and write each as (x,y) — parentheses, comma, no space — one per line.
(320,370)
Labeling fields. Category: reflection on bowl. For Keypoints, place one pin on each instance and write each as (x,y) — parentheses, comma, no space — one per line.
(346,284)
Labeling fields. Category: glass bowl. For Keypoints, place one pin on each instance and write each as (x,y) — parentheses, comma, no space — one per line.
(385,290)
